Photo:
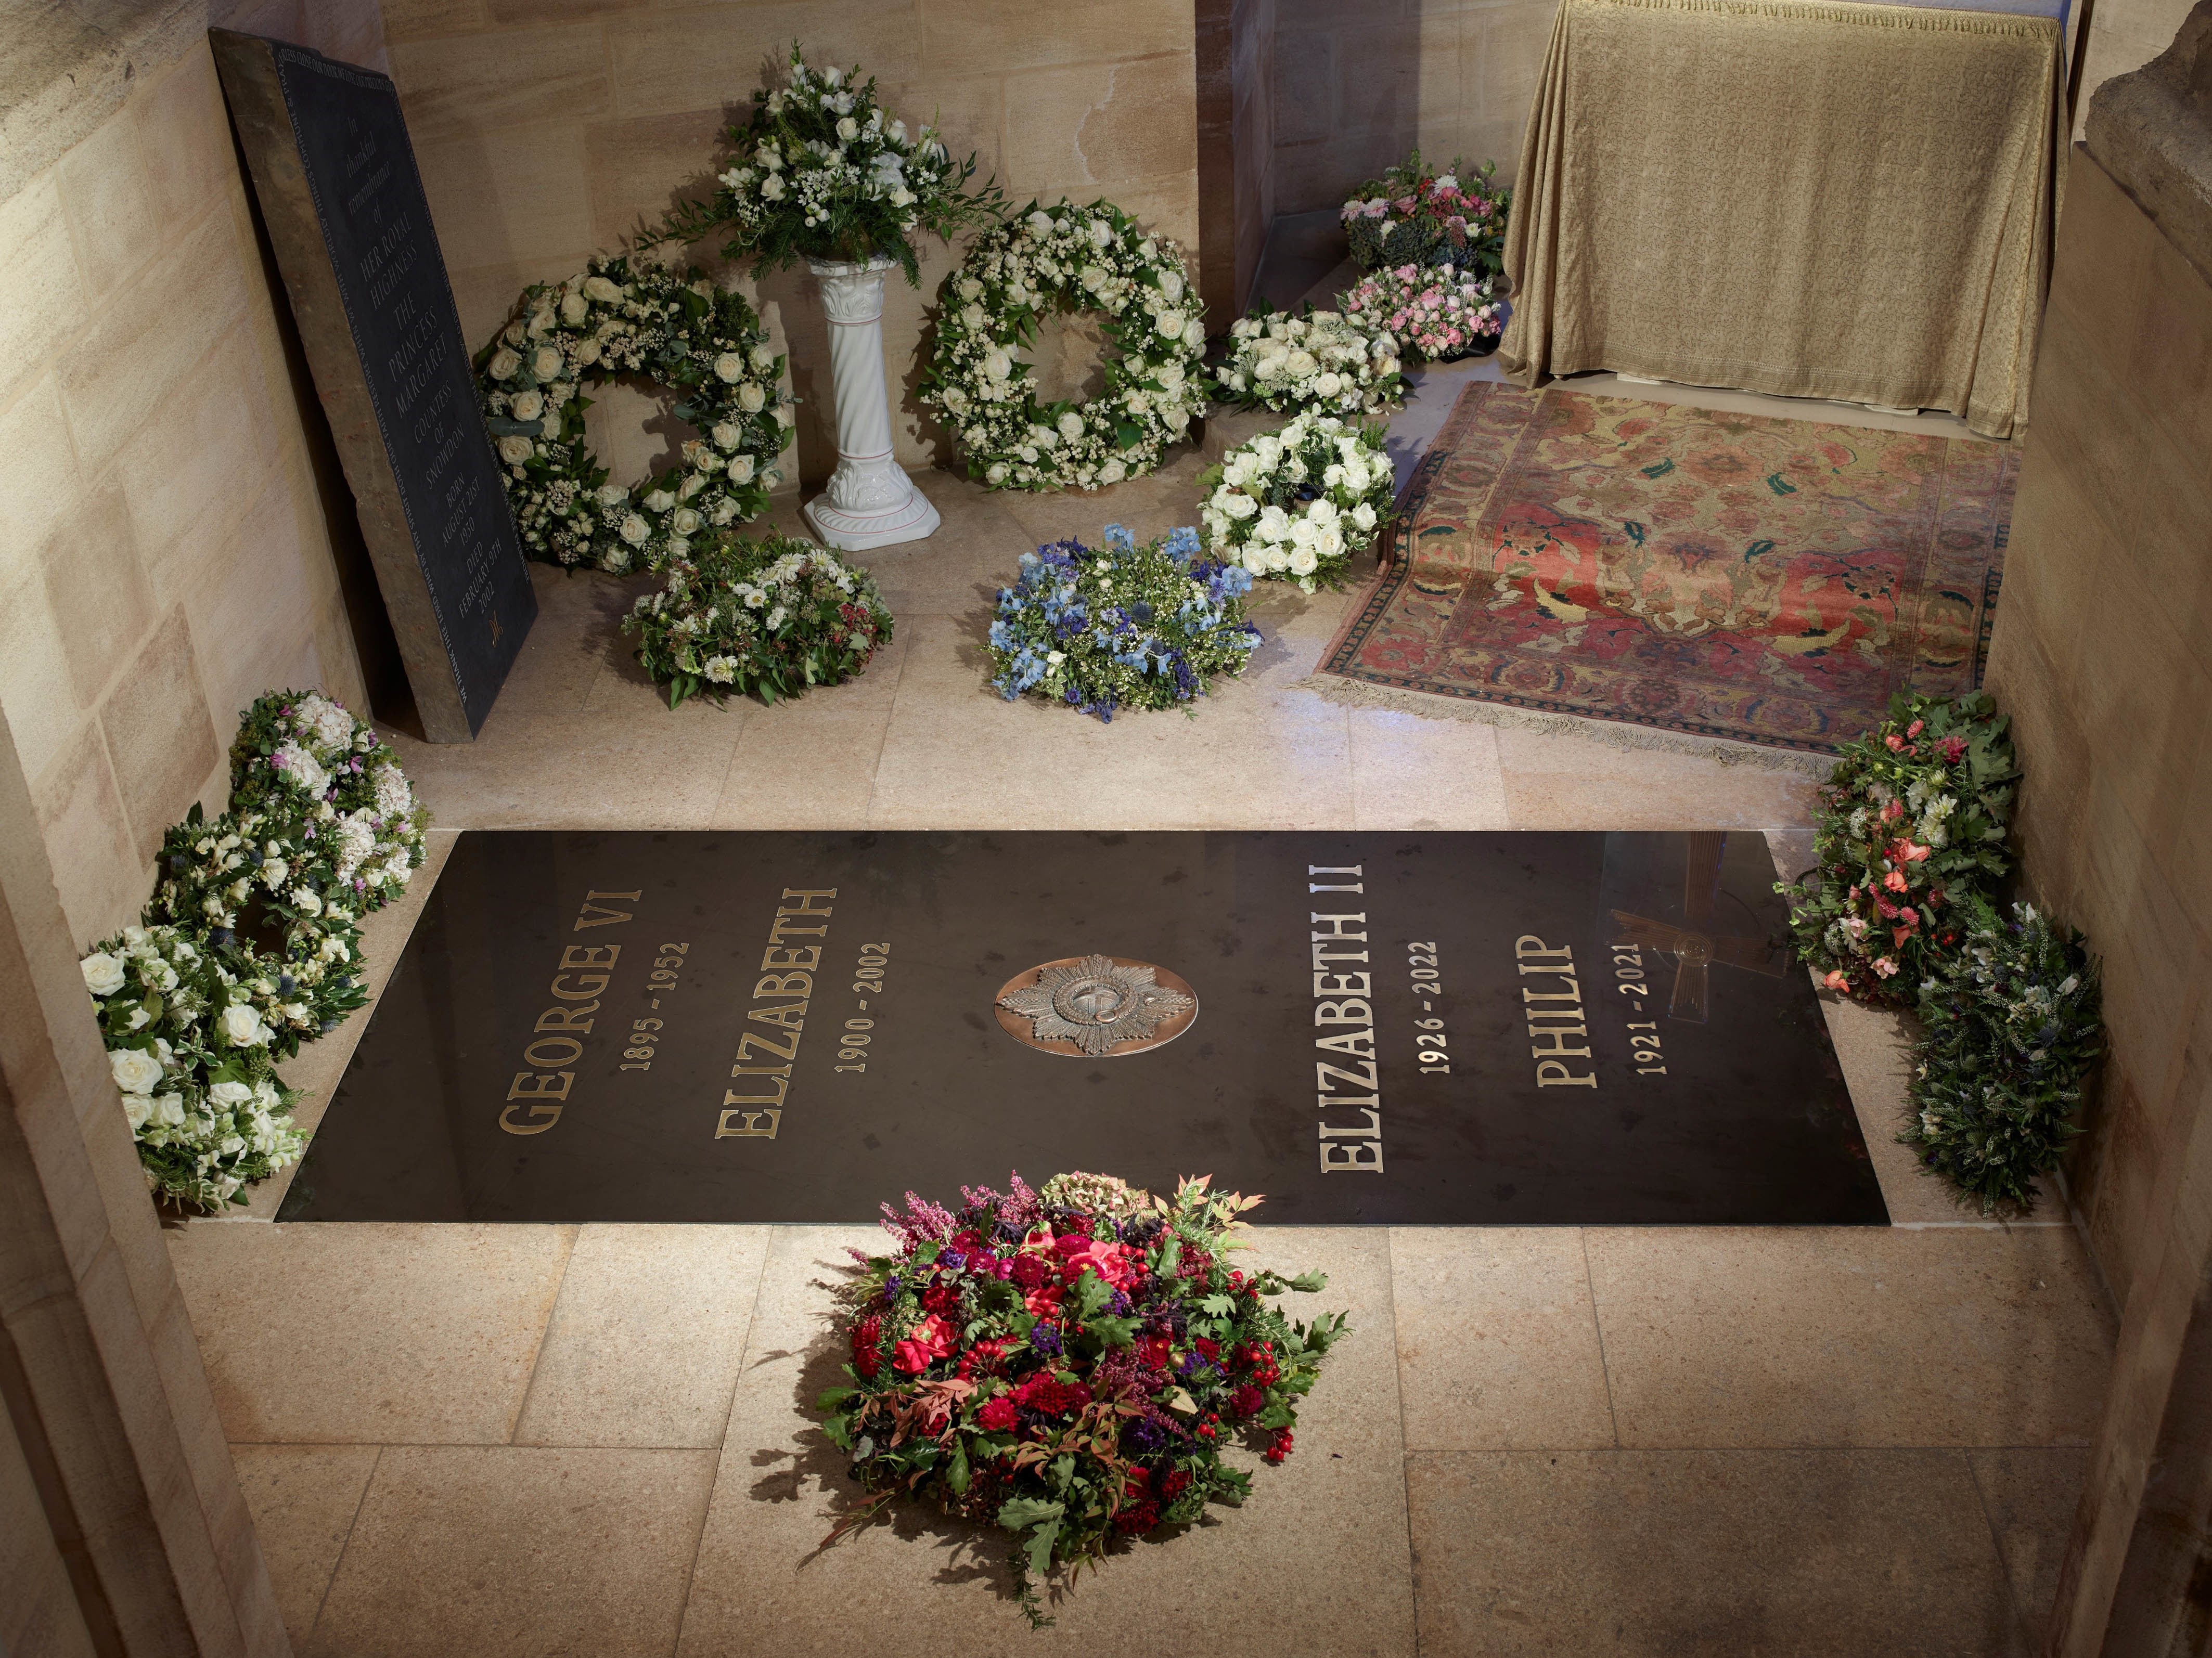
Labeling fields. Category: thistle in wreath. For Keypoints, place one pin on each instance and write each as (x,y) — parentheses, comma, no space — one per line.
(767,618)
(1069,1364)
(821,172)
(191,1045)
(1413,215)
(2010,1029)
(1911,828)
(1120,626)
(1298,502)
(1323,363)
(627,314)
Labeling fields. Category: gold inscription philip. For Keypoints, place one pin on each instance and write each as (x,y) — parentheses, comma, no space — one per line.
(1558,1028)
(537,1094)
(752,1107)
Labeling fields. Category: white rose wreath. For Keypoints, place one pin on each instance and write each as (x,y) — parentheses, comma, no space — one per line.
(1066,258)
(625,315)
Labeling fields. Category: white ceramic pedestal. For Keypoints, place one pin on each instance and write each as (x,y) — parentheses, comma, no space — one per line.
(870,500)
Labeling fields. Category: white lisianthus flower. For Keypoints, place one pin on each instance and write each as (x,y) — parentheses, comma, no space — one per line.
(136,1071)
(103,973)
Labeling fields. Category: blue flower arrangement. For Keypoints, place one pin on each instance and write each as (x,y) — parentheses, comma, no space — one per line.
(1122,626)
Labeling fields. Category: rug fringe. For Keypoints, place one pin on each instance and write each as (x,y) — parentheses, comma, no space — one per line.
(1355,693)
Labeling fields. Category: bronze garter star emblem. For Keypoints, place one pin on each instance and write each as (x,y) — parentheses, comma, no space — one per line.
(1096,1006)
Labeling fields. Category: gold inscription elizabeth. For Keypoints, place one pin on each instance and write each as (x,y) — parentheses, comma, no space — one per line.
(753,1107)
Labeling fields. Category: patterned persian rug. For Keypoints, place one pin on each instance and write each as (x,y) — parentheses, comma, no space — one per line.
(1708,578)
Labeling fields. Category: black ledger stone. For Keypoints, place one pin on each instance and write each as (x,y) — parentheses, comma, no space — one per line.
(1601,1032)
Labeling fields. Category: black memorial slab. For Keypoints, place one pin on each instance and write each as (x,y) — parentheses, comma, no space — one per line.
(1406,1028)
(335,179)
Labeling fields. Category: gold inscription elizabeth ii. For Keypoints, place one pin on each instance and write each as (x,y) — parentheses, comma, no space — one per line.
(1095,1006)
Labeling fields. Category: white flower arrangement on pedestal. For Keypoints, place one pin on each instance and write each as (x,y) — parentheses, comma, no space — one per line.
(822,172)
(191,1044)
(1061,259)
(1298,502)
(1318,362)
(625,315)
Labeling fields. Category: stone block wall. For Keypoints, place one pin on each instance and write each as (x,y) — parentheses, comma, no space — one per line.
(1235,149)
(1357,86)
(164,553)
(546,133)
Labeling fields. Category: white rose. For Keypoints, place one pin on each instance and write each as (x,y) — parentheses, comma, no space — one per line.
(848,129)
(772,186)
(685,521)
(573,308)
(659,501)
(1040,222)
(727,435)
(602,289)
(1071,425)
(240,1024)
(1193,333)
(1240,505)
(1102,234)
(529,405)
(741,469)
(545,362)
(730,367)
(1112,472)
(515,450)
(997,365)
(503,364)
(168,1111)
(752,398)
(103,973)
(136,1071)
(1363,516)
(612,494)
(1303,561)
(230,1095)
(1328,385)
(635,530)
(1170,323)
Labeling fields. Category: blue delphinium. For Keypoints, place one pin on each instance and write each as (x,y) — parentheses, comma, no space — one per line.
(1120,626)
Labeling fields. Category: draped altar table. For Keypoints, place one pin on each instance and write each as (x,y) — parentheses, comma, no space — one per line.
(1807,197)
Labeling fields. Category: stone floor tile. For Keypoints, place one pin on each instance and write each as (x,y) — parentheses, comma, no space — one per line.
(1149,506)
(1409,773)
(1317,1561)
(805,766)
(510,1549)
(645,1340)
(652,769)
(1724,1336)
(1498,1344)
(1563,781)
(368,1332)
(1726,1553)
(577,633)
(303,1499)
(959,569)
(1251,757)
(2031,1493)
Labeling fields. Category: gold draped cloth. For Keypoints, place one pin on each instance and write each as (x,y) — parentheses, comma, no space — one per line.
(1797,197)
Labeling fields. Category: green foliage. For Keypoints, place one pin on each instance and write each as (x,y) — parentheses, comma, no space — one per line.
(2012,1030)
(767,618)
(821,171)
(1912,826)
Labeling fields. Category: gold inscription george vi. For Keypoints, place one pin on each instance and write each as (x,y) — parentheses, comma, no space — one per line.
(781,996)
(535,1097)
(1344,1017)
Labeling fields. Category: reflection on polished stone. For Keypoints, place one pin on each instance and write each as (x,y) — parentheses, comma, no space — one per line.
(1427,1028)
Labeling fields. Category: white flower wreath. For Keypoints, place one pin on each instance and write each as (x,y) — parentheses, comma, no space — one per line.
(622,315)
(1067,258)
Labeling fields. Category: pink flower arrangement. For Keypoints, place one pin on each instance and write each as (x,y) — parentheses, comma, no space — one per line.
(1436,312)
